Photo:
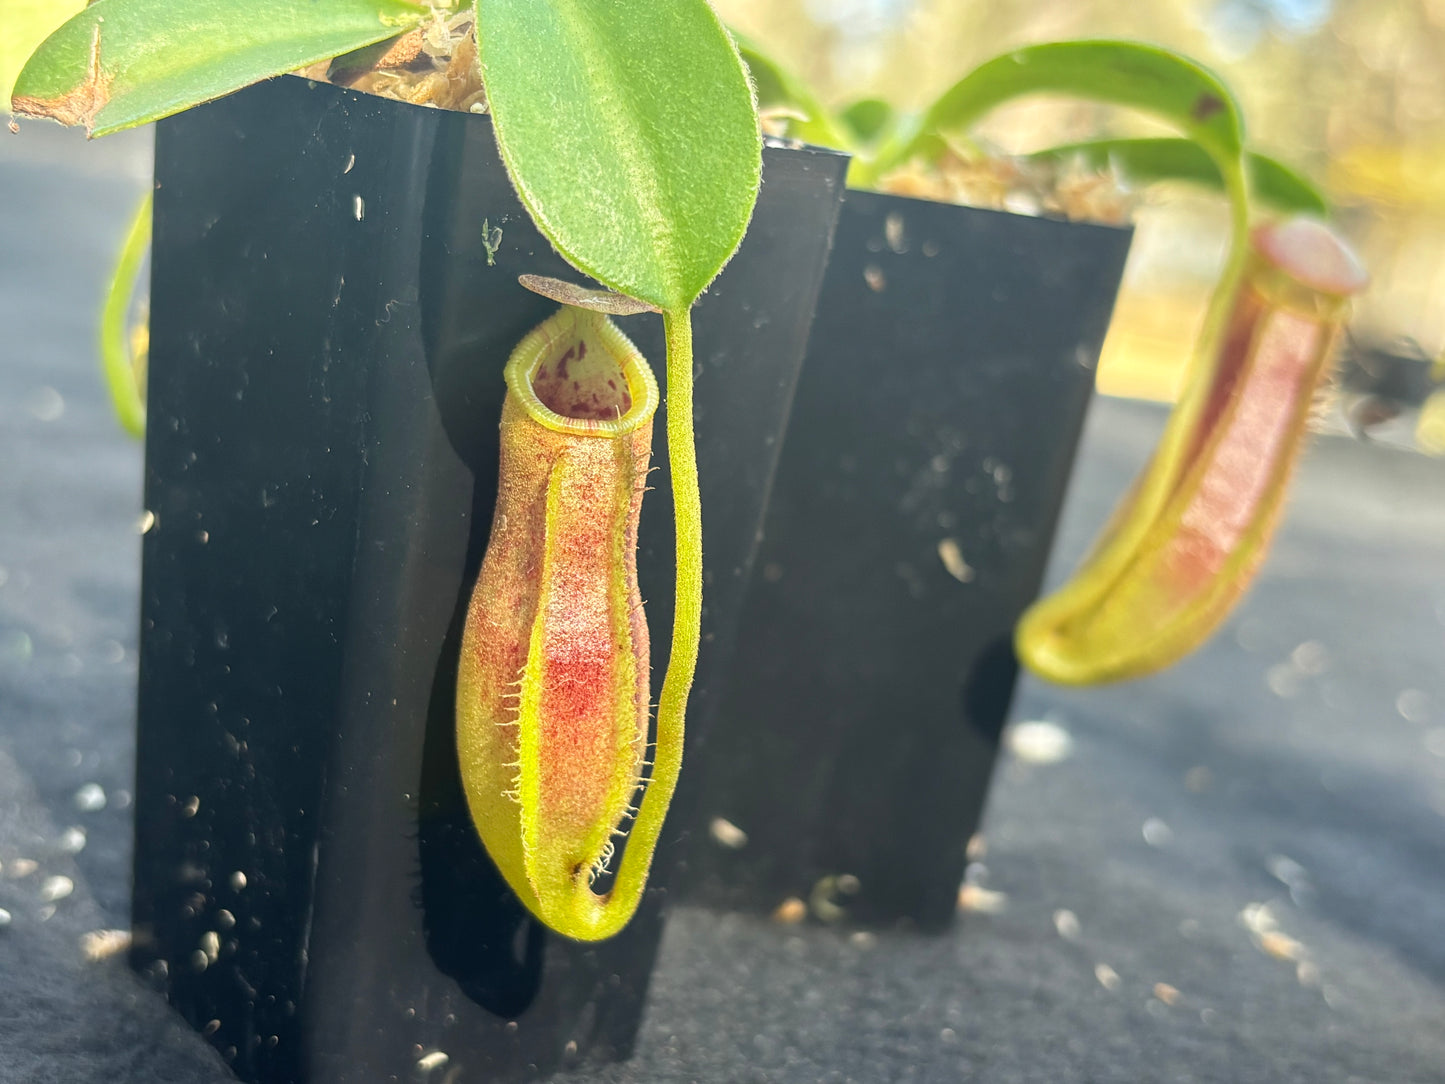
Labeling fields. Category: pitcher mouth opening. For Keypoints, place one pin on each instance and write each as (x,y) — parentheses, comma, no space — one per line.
(577,373)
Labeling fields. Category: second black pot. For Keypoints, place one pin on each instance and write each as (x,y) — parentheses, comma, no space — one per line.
(950,366)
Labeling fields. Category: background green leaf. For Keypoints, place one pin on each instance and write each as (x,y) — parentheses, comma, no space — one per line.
(867,119)
(1166,85)
(24,24)
(1145,160)
(158,57)
(778,88)
(629,129)
(775,85)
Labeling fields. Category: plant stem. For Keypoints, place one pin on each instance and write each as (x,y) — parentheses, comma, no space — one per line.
(687,518)
(686,632)
(115,356)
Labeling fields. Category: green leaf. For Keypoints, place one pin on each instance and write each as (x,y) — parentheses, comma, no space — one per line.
(867,119)
(1156,81)
(629,130)
(26,24)
(120,63)
(1284,188)
(1146,160)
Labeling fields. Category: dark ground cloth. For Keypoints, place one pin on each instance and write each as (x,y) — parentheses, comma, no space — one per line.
(1288,891)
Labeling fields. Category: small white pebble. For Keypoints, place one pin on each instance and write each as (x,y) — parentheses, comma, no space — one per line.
(727,834)
(1040,741)
(1286,870)
(358,207)
(145,522)
(238,881)
(1280,945)
(977,847)
(56,888)
(1067,924)
(1307,973)
(1283,680)
(102,944)
(45,403)
(17,646)
(1252,634)
(791,911)
(432,1060)
(952,557)
(981,900)
(211,945)
(90,798)
(1258,918)
(190,806)
(5,918)
(1107,976)
(1157,833)
(893,233)
(22,867)
(1413,705)
(1311,657)
(72,840)
(862,939)
(1166,993)
(948,1035)
(199,960)
(224,919)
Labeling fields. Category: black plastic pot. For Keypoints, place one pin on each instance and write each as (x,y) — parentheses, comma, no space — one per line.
(950,366)
(328,330)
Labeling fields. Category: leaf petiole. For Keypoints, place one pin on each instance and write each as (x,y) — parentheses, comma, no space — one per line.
(116,359)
